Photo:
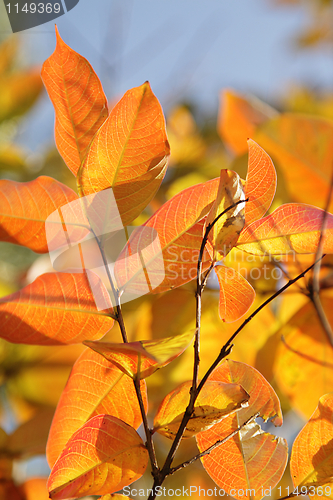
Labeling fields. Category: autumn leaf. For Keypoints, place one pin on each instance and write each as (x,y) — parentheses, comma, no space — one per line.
(129,153)
(239,117)
(260,185)
(215,401)
(291,228)
(252,460)
(78,99)
(143,358)
(303,148)
(303,364)
(102,457)
(95,386)
(57,308)
(311,459)
(25,206)
(179,226)
(236,294)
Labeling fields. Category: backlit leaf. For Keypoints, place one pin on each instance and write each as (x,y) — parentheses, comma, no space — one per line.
(24,207)
(236,294)
(238,118)
(252,460)
(78,99)
(145,356)
(180,230)
(95,386)
(129,153)
(303,365)
(260,183)
(57,308)
(102,457)
(293,227)
(303,148)
(225,232)
(35,489)
(215,401)
(312,453)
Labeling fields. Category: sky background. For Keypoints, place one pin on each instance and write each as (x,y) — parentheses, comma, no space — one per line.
(187,50)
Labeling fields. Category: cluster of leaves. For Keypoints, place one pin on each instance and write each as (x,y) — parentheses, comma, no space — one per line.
(93,446)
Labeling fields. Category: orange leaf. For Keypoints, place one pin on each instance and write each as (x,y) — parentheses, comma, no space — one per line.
(236,294)
(260,183)
(129,153)
(95,386)
(290,228)
(239,117)
(252,460)
(303,364)
(179,227)
(25,207)
(302,146)
(102,457)
(145,356)
(78,99)
(225,232)
(57,308)
(215,401)
(312,453)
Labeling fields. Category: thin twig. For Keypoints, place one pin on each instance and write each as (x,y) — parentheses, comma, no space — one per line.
(211,448)
(314,286)
(226,349)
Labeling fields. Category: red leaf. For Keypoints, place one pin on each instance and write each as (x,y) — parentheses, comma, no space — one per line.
(57,308)
(78,99)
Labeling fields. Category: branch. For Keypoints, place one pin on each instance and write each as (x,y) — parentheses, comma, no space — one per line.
(226,349)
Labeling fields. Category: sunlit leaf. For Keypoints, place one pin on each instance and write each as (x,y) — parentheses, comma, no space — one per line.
(252,460)
(144,357)
(102,457)
(291,228)
(180,230)
(129,153)
(303,365)
(8,50)
(302,147)
(25,206)
(236,294)
(312,453)
(225,232)
(78,99)
(18,92)
(238,118)
(260,183)
(95,386)
(57,308)
(114,496)
(215,401)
